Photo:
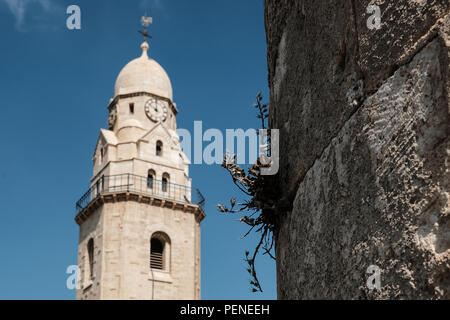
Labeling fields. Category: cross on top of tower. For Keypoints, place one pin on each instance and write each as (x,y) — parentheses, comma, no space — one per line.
(146,21)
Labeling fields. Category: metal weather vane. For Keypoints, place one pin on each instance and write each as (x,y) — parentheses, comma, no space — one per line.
(146,21)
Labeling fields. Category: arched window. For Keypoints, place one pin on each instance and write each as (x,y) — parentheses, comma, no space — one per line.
(90,251)
(156,254)
(159,148)
(165,182)
(160,251)
(151,179)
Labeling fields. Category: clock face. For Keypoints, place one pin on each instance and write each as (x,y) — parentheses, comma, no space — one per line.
(156,109)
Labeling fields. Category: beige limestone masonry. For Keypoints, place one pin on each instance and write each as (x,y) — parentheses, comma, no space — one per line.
(121,233)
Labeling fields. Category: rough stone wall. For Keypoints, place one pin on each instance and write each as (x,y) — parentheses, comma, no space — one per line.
(364,145)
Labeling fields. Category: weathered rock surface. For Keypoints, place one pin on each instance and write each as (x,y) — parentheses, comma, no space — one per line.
(365,149)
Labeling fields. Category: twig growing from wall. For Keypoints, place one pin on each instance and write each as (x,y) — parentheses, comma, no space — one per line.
(260,207)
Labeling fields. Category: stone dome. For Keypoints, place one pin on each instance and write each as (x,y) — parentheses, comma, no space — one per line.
(143,75)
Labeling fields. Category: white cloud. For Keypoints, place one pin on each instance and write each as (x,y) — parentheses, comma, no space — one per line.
(19,9)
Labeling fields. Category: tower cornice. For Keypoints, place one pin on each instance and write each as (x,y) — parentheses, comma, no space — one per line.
(114,101)
(112,197)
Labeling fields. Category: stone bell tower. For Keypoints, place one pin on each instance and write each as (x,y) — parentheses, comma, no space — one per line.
(140,219)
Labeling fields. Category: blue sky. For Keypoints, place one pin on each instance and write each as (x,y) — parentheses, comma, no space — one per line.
(55,85)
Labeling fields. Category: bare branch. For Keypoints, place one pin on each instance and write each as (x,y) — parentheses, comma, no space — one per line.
(261,203)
